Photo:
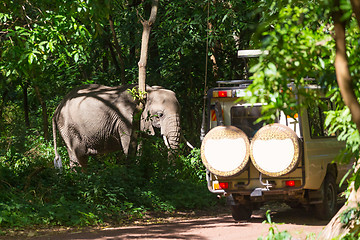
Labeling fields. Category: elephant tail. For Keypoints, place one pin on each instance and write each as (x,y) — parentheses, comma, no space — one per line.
(57,159)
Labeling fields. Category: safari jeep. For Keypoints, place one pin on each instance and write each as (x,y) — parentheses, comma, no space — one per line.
(250,163)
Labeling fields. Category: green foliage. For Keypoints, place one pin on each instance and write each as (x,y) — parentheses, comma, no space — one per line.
(350,219)
(32,192)
(54,47)
(298,36)
(47,48)
(297,41)
(274,233)
(192,165)
(339,121)
(137,94)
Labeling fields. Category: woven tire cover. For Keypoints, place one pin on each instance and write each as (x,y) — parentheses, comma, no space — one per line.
(225,151)
(275,150)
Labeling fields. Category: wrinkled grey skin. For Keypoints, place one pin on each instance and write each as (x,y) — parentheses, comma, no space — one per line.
(95,119)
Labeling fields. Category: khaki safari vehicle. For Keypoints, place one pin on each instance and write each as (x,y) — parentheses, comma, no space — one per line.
(250,163)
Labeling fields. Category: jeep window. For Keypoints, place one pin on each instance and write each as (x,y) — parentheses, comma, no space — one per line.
(316,114)
(244,117)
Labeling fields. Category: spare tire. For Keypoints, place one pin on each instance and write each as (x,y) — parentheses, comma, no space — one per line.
(225,151)
(275,150)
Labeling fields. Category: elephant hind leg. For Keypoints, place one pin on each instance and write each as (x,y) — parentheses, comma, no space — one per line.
(73,159)
(83,161)
(77,158)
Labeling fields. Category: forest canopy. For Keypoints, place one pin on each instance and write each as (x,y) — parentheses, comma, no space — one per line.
(49,47)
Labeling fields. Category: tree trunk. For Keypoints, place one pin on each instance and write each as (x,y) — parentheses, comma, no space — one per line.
(142,75)
(132,53)
(215,67)
(113,56)
(2,104)
(44,113)
(26,105)
(356,9)
(335,227)
(145,44)
(118,50)
(342,70)
(105,63)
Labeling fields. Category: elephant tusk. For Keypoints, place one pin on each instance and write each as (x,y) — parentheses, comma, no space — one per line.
(189,145)
(187,142)
(166,141)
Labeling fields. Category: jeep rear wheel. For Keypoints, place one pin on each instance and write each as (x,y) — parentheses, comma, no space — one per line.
(327,209)
(241,212)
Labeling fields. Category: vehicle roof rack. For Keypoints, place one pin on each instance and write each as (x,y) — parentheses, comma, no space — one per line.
(252,53)
(244,54)
(235,82)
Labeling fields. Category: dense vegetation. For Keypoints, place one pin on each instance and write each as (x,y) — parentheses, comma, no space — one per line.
(308,39)
(49,47)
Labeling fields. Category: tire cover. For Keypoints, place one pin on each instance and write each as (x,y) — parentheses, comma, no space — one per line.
(225,151)
(275,150)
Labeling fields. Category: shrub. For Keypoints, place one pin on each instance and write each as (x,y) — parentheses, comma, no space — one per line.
(32,192)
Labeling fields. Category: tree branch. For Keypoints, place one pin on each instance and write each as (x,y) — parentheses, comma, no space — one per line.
(118,50)
(44,112)
(154,9)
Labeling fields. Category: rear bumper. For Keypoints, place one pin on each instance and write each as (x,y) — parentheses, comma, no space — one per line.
(260,194)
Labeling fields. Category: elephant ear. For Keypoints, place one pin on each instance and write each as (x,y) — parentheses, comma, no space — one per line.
(145,124)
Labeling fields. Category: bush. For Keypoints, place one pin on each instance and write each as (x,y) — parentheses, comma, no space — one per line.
(274,233)
(32,192)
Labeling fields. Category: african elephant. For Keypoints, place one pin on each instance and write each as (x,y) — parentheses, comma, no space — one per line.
(96,119)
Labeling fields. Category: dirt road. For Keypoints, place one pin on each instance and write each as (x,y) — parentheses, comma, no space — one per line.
(221,227)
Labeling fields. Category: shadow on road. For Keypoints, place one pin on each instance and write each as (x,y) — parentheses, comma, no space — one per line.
(287,215)
(203,228)
(174,230)
(217,227)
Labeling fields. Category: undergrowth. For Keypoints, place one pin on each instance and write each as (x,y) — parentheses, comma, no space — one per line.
(111,190)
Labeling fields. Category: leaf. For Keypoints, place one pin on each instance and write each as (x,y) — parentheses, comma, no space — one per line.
(225,17)
(344,177)
(271,70)
(76,57)
(255,68)
(357,181)
(329,118)
(31,58)
(322,63)
(50,46)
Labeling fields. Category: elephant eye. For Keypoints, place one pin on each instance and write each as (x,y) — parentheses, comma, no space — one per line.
(159,114)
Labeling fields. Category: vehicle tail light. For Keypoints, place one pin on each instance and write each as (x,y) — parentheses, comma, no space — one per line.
(290,183)
(224,185)
(293,183)
(222,93)
(220,185)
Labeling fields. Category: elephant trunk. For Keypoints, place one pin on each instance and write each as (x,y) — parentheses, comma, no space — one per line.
(171,131)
